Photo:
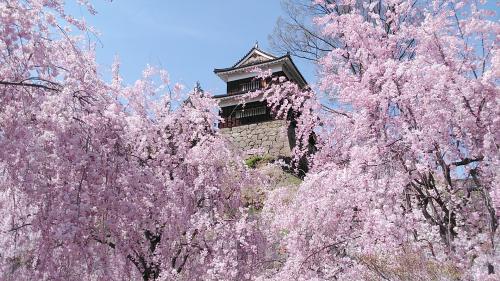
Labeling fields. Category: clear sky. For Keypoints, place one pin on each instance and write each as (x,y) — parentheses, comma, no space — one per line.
(188,38)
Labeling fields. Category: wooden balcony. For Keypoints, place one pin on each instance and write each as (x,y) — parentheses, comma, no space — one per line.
(246,87)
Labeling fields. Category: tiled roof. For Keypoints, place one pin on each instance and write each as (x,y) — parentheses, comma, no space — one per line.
(217,70)
(255,48)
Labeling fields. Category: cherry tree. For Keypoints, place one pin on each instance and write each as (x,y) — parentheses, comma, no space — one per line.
(102,181)
(405,184)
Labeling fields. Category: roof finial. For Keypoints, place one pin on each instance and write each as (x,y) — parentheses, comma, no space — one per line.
(256,44)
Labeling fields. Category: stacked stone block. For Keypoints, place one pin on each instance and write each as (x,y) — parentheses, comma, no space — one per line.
(266,138)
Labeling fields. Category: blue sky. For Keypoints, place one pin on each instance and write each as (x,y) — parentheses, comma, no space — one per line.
(188,38)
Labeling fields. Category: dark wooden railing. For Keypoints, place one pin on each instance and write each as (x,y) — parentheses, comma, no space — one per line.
(246,87)
(246,116)
(250,112)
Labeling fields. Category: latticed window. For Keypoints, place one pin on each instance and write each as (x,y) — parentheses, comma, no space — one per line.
(249,112)
(250,86)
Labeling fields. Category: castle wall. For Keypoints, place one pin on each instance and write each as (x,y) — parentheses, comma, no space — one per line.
(266,138)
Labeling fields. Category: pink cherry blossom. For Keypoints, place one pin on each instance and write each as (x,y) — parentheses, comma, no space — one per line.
(404,185)
(103,181)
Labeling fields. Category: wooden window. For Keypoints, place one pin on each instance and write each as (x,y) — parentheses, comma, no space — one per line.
(249,112)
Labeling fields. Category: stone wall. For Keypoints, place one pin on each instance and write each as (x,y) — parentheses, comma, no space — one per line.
(266,138)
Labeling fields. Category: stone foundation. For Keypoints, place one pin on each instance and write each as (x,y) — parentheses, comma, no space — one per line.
(266,138)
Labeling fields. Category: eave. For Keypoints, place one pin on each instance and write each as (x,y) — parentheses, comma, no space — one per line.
(286,60)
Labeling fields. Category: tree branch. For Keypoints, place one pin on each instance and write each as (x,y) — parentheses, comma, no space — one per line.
(32,85)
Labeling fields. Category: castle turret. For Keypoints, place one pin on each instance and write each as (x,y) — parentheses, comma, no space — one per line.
(250,125)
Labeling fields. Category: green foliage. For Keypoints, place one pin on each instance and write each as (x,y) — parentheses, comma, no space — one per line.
(255,160)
